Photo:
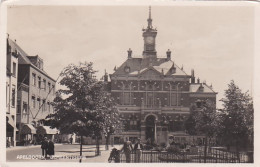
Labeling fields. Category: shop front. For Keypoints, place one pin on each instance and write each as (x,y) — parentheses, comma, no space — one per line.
(28,134)
(10,131)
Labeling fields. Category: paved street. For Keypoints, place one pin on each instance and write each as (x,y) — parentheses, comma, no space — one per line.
(63,153)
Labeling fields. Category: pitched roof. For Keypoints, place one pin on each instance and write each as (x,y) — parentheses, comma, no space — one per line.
(206,89)
(139,65)
(23,56)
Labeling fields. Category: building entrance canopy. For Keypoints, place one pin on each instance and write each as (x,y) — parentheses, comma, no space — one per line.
(28,129)
(47,130)
(11,121)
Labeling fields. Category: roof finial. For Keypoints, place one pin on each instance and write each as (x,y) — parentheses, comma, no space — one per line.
(150,19)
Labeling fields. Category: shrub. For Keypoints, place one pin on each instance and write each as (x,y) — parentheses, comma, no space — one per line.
(173,149)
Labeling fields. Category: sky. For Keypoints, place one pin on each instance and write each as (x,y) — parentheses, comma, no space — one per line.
(217,42)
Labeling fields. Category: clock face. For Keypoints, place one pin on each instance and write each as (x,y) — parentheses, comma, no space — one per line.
(149,40)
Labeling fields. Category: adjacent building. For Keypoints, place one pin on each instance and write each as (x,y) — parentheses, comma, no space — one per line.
(154,94)
(35,93)
(11,94)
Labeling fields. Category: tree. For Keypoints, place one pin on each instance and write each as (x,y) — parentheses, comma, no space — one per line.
(203,121)
(190,123)
(236,118)
(83,106)
(111,119)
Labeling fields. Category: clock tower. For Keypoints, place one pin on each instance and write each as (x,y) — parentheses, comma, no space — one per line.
(149,35)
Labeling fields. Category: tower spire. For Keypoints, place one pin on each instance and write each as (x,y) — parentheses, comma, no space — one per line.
(149,20)
(149,12)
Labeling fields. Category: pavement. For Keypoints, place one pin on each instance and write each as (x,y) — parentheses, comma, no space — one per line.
(63,153)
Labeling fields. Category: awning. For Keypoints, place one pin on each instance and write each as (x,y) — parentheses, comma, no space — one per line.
(28,129)
(11,122)
(47,130)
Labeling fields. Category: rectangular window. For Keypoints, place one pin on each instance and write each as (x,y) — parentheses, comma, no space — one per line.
(53,89)
(14,69)
(39,82)
(149,99)
(126,125)
(34,79)
(44,84)
(7,93)
(127,98)
(178,99)
(25,107)
(39,103)
(49,86)
(133,125)
(174,99)
(33,102)
(13,97)
(43,105)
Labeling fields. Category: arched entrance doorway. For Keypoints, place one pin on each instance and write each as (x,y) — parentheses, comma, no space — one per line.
(150,128)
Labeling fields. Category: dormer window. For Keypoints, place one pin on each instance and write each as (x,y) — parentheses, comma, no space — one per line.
(201,88)
(40,64)
(127,69)
(173,70)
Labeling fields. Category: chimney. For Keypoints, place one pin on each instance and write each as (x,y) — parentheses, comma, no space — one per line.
(198,80)
(192,76)
(129,53)
(168,53)
(105,77)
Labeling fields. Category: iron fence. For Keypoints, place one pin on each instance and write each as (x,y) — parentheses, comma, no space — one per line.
(213,155)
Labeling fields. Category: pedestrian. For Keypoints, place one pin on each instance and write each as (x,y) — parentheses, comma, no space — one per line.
(50,150)
(138,150)
(114,155)
(172,142)
(127,148)
(44,147)
(71,139)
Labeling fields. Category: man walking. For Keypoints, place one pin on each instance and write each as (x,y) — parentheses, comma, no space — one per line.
(50,150)
(44,147)
(127,148)
(138,149)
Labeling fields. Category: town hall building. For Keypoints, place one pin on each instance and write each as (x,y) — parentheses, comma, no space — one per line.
(154,94)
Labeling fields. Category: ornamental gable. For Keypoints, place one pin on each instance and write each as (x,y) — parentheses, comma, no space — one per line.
(150,73)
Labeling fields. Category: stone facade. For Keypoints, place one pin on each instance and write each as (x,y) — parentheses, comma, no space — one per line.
(154,94)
